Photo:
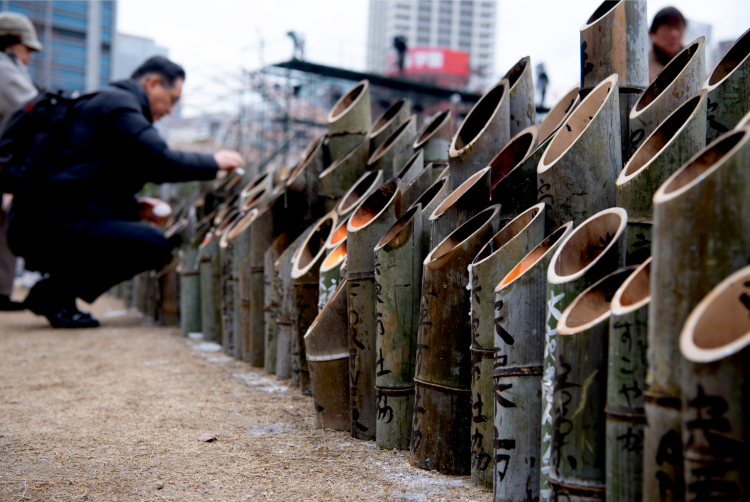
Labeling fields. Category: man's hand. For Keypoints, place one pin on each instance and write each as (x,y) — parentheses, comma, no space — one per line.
(154,210)
(228,160)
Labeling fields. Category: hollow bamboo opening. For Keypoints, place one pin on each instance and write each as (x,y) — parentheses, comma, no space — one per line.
(338,235)
(255,200)
(374,205)
(516,71)
(389,142)
(408,165)
(509,232)
(480,115)
(228,220)
(635,292)
(297,171)
(462,233)
(314,246)
(457,193)
(347,101)
(242,225)
(434,126)
(602,11)
(334,258)
(430,193)
(342,159)
(588,242)
(593,305)
(358,191)
(578,122)
(557,114)
(668,74)
(394,232)
(511,154)
(736,54)
(387,116)
(233,183)
(255,182)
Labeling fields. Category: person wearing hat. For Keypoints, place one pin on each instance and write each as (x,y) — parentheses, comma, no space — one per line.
(667,30)
(17,41)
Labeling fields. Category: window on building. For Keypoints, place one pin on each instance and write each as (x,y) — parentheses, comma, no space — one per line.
(423,20)
(402,28)
(464,44)
(445,21)
(69,22)
(402,17)
(423,41)
(465,33)
(444,42)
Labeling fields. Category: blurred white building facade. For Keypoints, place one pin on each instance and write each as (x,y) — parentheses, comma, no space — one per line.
(131,51)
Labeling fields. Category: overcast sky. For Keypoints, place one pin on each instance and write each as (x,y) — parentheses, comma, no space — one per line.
(214,39)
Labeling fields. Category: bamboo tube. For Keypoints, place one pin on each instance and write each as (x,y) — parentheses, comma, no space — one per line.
(330,274)
(140,292)
(745,122)
(327,348)
(417,187)
(413,167)
(383,126)
(352,111)
(521,96)
(681,78)
(369,222)
(591,251)
(305,278)
(398,277)
(503,251)
(714,342)
(210,275)
(430,200)
(363,187)
(303,183)
(168,294)
(559,113)
(578,449)
(256,200)
(626,372)
(391,155)
(229,283)
(271,301)
(467,200)
(441,428)
(701,235)
(263,181)
(519,351)
(240,240)
(680,136)
(727,86)
(338,234)
(435,139)
(577,173)
(483,132)
(515,189)
(339,177)
(440,171)
(339,144)
(221,284)
(190,284)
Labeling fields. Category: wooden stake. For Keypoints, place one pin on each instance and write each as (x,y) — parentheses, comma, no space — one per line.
(339,177)
(361,189)
(352,111)
(522,97)
(391,155)
(271,301)
(514,185)
(383,126)
(435,139)
(559,113)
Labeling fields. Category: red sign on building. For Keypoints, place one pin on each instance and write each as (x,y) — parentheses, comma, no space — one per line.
(438,66)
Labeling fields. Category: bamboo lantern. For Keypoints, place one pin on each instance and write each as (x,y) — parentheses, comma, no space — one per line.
(591,251)
(521,95)
(263,181)
(464,202)
(519,350)
(271,301)
(577,173)
(728,88)
(226,281)
(417,187)
(140,292)
(391,155)
(352,112)
(441,428)
(256,200)
(168,289)
(210,273)
(440,171)
(745,122)
(626,372)
(331,274)
(435,140)
(503,251)
(305,278)
(398,277)
(714,342)
(339,144)
(239,239)
(514,181)
(327,348)
(578,448)
(680,136)
(367,225)
(190,284)
(701,235)
(303,183)
(398,113)
(559,113)
(682,77)
(484,131)
(338,234)
(339,177)
(359,192)
(413,167)
(430,200)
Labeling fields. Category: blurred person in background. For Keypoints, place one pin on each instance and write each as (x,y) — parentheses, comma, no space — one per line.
(667,30)
(18,41)
(86,233)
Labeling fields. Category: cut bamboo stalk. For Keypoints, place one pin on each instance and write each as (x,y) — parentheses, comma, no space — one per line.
(303,185)
(728,87)
(435,139)
(139,293)
(398,278)
(239,239)
(745,122)
(440,171)
(339,144)
(514,185)
(674,142)
(521,96)
(359,192)
(714,342)
(682,77)
(227,339)
(256,200)
(229,282)
(271,301)
(484,131)
(391,155)
(519,350)
(503,251)
(339,177)
(464,202)
(338,234)
(430,200)
(305,281)
(441,428)
(168,294)
(210,274)
(190,284)
(701,235)
(559,113)
(327,348)
(591,251)
(352,111)
(398,113)
(413,167)
(367,225)
(580,392)
(263,181)
(330,274)
(577,173)
(626,379)
(417,187)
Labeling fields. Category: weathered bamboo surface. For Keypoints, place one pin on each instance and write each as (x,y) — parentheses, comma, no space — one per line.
(338,234)
(190,284)
(435,140)
(496,258)
(580,392)
(352,112)
(210,276)
(226,255)
(626,379)
(383,126)
(303,184)
(522,99)
(591,251)
(483,132)
(264,181)
(239,239)
(514,185)
(409,171)
(340,144)
(430,200)
(517,372)
(271,301)
(701,235)
(338,178)
(391,155)
(441,429)
(674,142)
(576,175)
(714,342)
(559,113)
(745,122)
(168,295)
(361,189)
(419,185)
(330,274)
(728,89)
(366,226)
(230,218)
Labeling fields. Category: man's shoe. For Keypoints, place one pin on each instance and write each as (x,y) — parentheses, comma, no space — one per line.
(72,319)
(6,304)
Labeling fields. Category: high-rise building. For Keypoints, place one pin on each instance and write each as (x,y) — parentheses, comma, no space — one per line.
(131,52)
(78,38)
(459,25)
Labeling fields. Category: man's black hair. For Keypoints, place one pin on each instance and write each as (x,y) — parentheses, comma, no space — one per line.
(669,16)
(158,65)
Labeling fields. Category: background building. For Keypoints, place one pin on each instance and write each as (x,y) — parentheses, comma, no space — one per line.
(131,51)
(78,39)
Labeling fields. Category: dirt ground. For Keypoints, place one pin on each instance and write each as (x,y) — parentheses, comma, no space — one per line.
(113,414)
